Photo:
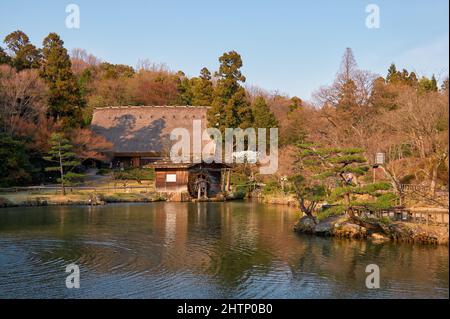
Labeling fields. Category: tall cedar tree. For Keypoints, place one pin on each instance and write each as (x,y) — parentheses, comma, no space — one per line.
(184,89)
(230,108)
(202,89)
(263,116)
(64,95)
(24,54)
(64,159)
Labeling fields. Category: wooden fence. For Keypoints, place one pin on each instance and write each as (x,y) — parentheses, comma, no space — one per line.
(42,189)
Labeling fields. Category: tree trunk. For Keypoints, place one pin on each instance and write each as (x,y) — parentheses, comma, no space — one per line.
(61,169)
(434,174)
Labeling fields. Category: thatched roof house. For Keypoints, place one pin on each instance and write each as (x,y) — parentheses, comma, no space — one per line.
(141,134)
(141,138)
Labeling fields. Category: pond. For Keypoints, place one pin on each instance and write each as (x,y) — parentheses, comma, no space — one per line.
(205,250)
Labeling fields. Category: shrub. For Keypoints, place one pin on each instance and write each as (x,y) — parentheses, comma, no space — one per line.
(272,186)
(239,194)
(331,211)
(137,174)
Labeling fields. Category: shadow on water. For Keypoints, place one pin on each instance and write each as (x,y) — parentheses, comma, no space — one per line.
(205,250)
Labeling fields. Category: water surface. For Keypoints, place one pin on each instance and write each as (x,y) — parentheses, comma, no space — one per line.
(206,250)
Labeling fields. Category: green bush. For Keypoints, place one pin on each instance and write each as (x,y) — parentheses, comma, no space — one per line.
(272,186)
(331,211)
(239,194)
(138,174)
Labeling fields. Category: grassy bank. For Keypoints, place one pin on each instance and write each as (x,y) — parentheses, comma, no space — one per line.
(85,197)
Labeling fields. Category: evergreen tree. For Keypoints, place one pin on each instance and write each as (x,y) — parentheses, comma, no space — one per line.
(427,85)
(202,89)
(392,75)
(434,86)
(383,95)
(230,107)
(15,166)
(115,71)
(444,86)
(184,89)
(338,169)
(263,117)
(24,54)
(65,160)
(64,95)
(296,103)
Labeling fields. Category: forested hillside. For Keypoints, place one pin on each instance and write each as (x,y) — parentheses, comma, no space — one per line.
(44,89)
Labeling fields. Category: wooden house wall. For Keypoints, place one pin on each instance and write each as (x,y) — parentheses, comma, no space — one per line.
(179,185)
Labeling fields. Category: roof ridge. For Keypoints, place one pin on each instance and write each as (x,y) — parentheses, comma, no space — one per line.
(151,106)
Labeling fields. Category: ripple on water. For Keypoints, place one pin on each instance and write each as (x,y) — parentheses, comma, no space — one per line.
(208,251)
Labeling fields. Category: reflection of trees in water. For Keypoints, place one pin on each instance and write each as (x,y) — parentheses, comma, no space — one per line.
(344,261)
(230,239)
(230,242)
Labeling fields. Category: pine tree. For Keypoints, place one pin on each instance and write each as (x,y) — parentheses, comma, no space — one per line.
(338,169)
(444,86)
(24,54)
(202,89)
(61,153)
(184,89)
(427,85)
(296,103)
(230,107)
(64,96)
(263,117)
(392,75)
(434,86)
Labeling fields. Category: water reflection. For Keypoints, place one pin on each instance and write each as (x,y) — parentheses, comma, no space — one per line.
(207,250)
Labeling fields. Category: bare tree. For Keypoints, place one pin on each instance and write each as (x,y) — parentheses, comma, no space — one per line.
(22,97)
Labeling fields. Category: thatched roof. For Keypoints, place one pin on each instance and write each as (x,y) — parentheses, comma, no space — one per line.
(144,130)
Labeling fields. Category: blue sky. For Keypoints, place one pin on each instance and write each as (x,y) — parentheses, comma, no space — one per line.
(290,46)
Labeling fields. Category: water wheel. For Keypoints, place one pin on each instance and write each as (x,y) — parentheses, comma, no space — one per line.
(198,185)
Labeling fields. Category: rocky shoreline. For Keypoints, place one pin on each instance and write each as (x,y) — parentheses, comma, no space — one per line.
(342,227)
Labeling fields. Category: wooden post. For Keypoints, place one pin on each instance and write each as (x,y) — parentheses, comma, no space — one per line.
(228,180)
(222,180)
(374,173)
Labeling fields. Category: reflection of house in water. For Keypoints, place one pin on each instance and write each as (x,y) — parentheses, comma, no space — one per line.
(140,136)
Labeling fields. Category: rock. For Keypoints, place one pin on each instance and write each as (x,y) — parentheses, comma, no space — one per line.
(350,230)
(306,224)
(327,226)
(378,238)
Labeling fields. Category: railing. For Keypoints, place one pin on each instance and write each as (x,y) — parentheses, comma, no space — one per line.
(420,216)
(421,188)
